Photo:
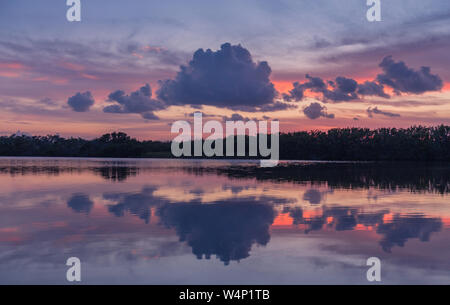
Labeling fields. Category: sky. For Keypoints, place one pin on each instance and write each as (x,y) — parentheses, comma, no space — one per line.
(140,66)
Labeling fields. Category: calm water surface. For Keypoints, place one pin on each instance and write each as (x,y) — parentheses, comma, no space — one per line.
(221,222)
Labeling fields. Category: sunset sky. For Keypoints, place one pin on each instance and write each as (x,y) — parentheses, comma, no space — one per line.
(312,64)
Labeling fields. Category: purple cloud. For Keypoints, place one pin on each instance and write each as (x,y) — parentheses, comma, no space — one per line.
(375,110)
(81,102)
(139,101)
(403,79)
(397,75)
(225,78)
(315,110)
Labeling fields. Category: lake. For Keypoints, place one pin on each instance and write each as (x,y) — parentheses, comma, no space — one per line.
(166,221)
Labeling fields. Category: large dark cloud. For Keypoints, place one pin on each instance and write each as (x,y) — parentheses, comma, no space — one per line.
(315,110)
(401,78)
(81,102)
(139,101)
(227,229)
(375,110)
(225,78)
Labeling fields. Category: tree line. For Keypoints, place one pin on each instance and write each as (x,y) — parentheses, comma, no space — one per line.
(417,143)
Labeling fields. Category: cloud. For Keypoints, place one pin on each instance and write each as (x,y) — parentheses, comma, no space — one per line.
(400,229)
(375,110)
(296,94)
(81,102)
(47,102)
(313,196)
(80,203)
(412,103)
(138,204)
(205,115)
(406,80)
(396,75)
(344,89)
(235,117)
(139,101)
(372,88)
(276,106)
(315,110)
(315,84)
(140,52)
(225,78)
(205,227)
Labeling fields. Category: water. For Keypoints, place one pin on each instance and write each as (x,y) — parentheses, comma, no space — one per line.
(220,222)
